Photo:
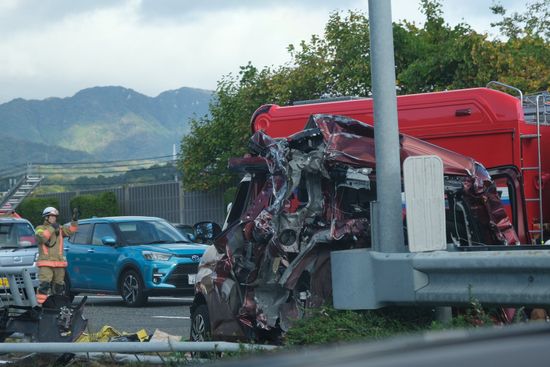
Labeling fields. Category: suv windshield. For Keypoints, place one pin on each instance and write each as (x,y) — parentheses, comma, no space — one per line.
(14,235)
(149,231)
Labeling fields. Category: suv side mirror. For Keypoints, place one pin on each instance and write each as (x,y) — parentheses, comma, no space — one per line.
(108,241)
(206,231)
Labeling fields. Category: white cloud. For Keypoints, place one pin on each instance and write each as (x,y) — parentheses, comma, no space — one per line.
(128,44)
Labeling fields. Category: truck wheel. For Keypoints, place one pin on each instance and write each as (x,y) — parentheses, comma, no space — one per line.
(131,289)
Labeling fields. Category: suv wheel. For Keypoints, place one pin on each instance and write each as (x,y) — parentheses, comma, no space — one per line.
(200,324)
(131,289)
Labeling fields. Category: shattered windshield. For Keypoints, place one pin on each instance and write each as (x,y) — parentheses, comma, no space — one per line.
(149,232)
(15,235)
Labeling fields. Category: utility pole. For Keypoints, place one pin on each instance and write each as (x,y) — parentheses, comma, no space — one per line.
(174,158)
(386,133)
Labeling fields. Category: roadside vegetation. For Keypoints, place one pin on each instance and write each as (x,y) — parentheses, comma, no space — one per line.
(328,325)
(99,205)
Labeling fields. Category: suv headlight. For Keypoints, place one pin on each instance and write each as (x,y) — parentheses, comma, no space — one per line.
(156,256)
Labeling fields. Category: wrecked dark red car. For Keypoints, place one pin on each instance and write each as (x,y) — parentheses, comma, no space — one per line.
(303,197)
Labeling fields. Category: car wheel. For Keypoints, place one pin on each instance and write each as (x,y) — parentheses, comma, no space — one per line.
(200,324)
(131,289)
(200,330)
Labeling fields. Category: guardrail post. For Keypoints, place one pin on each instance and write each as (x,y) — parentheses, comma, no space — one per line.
(12,274)
(14,290)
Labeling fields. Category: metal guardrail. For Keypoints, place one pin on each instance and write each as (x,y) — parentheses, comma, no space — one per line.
(364,279)
(130,347)
(18,278)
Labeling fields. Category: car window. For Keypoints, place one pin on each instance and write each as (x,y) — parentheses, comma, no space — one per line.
(13,235)
(101,230)
(82,236)
(24,234)
(149,231)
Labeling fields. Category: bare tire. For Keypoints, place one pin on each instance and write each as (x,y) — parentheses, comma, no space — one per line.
(132,289)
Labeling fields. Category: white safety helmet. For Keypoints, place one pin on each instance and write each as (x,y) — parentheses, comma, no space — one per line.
(50,211)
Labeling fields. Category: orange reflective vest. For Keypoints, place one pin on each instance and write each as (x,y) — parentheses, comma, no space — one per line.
(50,244)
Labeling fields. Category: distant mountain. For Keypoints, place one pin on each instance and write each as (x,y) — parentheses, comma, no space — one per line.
(15,152)
(98,123)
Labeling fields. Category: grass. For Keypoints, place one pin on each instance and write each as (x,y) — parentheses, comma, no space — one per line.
(327,325)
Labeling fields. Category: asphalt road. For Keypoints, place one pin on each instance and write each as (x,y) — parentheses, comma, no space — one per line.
(170,315)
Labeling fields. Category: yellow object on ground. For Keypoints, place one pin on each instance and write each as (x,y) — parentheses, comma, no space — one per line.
(108,332)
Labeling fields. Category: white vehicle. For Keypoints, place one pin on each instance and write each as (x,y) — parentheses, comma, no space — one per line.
(18,248)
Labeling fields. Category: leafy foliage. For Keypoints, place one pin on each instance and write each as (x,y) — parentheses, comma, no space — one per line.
(534,22)
(102,205)
(31,209)
(433,57)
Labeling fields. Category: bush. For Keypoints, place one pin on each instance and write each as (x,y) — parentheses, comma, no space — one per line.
(102,205)
(31,209)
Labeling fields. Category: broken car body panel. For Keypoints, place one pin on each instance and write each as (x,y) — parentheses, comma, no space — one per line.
(310,194)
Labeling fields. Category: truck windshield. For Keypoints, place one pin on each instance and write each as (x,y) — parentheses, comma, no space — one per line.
(15,235)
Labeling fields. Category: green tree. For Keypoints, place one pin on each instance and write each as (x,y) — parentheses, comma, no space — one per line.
(31,209)
(533,22)
(437,56)
(102,205)
(523,59)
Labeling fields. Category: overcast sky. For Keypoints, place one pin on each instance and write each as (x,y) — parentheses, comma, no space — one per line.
(54,48)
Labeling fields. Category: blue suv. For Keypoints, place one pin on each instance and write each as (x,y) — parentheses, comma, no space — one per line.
(135,257)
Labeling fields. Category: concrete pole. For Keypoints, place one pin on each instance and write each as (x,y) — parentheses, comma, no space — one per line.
(386,135)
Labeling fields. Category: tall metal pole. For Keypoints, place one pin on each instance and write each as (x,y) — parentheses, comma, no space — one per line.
(386,134)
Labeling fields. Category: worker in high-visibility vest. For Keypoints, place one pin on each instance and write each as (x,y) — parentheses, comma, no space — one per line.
(51,258)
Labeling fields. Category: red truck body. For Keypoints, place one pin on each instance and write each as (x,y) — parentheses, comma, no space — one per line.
(485,124)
